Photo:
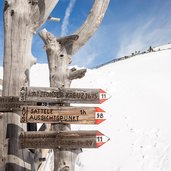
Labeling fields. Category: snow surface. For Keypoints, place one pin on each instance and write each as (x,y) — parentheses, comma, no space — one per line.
(139,126)
(163,47)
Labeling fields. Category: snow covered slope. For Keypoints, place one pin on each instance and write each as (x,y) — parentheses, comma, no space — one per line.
(140,109)
(139,126)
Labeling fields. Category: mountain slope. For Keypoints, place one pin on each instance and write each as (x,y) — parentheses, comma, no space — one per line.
(140,109)
(139,126)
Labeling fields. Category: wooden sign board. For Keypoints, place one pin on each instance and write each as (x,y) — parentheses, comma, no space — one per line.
(63,95)
(12,103)
(67,140)
(66,115)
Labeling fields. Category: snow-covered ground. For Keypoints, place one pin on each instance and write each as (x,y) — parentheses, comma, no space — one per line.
(139,126)
(140,109)
(163,47)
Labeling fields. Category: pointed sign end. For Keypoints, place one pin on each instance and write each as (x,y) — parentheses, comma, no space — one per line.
(102,91)
(100,115)
(98,109)
(98,121)
(103,96)
(102,100)
(101,139)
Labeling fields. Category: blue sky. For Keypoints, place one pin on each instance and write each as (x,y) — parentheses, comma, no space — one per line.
(128,26)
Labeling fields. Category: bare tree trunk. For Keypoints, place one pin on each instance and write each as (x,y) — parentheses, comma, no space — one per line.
(22,18)
(58,61)
(59,52)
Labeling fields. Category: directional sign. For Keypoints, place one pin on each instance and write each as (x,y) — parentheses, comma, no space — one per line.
(67,140)
(12,103)
(63,95)
(68,115)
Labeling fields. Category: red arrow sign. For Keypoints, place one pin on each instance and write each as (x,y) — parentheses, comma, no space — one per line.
(67,139)
(101,139)
(100,115)
(66,115)
(103,96)
(63,95)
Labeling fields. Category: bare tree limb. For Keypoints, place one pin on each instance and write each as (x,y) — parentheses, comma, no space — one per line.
(49,6)
(75,74)
(54,19)
(91,24)
(59,52)
(41,11)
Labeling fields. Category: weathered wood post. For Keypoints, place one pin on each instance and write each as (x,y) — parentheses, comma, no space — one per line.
(59,52)
(22,18)
(61,76)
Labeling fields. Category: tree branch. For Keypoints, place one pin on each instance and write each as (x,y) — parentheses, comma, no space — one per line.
(43,11)
(75,74)
(54,19)
(47,37)
(91,24)
(49,6)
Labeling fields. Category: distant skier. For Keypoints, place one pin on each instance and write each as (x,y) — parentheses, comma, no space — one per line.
(151,49)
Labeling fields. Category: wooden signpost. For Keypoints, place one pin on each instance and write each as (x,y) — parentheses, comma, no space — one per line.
(66,115)
(63,95)
(28,17)
(67,139)
(12,103)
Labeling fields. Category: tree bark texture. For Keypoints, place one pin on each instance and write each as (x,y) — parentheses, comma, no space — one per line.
(59,52)
(22,18)
(58,60)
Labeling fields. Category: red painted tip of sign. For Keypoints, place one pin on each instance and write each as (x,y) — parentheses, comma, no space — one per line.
(98,133)
(99,144)
(98,121)
(102,100)
(101,139)
(101,91)
(98,109)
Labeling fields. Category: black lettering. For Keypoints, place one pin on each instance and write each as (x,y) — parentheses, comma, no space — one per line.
(82,95)
(34,94)
(61,118)
(31,117)
(74,95)
(89,142)
(31,111)
(77,118)
(99,139)
(83,112)
(100,115)
(78,95)
(103,96)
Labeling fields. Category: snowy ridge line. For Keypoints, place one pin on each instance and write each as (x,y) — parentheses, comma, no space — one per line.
(130,56)
(112,61)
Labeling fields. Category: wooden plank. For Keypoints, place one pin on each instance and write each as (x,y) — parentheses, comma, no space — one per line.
(67,139)
(66,115)
(12,103)
(1,141)
(63,95)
